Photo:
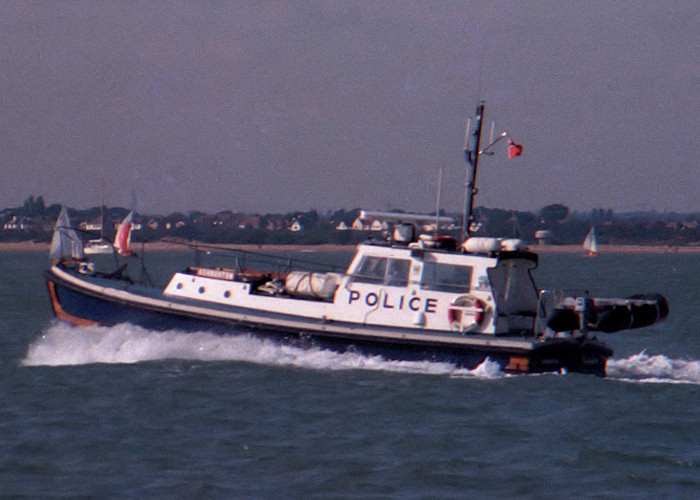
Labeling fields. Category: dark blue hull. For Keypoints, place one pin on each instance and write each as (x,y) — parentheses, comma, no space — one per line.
(82,306)
(93,309)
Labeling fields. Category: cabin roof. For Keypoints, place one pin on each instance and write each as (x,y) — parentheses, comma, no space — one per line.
(384,249)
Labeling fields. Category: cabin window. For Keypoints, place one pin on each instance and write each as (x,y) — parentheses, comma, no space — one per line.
(446,277)
(397,272)
(380,270)
(372,270)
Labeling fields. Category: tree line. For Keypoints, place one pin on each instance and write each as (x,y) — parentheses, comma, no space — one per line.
(556,221)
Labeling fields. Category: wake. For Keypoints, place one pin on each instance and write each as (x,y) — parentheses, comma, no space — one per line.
(654,369)
(63,345)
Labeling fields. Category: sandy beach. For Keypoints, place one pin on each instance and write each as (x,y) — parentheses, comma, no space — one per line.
(31,246)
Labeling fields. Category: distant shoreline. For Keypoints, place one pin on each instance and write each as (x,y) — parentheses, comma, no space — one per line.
(619,249)
(30,246)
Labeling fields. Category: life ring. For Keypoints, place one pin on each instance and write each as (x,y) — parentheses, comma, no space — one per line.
(469,308)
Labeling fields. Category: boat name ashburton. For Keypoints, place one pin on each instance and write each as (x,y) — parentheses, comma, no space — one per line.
(384,300)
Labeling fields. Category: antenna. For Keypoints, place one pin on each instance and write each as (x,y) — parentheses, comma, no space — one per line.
(466,134)
(437,203)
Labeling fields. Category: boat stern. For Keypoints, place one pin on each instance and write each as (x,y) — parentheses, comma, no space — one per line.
(570,355)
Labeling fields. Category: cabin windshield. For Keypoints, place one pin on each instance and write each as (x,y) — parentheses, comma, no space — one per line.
(513,287)
(446,277)
(382,270)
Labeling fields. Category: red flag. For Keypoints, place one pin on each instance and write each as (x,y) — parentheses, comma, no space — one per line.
(514,149)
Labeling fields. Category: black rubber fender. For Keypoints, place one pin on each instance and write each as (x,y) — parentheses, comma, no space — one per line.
(661,303)
(563,320)
(614,319)
(629,316)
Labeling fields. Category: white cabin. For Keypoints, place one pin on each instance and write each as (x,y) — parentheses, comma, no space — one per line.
(392,287)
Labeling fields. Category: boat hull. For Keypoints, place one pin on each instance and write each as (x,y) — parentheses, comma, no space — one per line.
(83,302)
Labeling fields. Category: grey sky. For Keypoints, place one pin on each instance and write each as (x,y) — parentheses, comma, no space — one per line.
(278,106)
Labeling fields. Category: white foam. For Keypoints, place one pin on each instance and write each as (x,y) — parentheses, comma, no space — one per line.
(62,345)
(487,369)
(654,369)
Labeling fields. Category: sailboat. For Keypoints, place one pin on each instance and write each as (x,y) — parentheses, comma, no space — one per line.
(99,245)
(590,244)
(122,240)
(66,245)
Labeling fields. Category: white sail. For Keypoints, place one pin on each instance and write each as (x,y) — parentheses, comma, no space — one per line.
(590,244)
(65,244)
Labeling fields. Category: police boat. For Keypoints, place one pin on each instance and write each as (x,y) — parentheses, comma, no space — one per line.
(408,297)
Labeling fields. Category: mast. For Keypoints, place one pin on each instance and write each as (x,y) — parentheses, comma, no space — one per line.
(471,152)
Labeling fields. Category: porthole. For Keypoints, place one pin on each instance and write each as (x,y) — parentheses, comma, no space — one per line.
(201,289)
(179,286)
(227,294)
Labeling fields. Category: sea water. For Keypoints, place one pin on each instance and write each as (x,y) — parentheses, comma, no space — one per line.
(127,412)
